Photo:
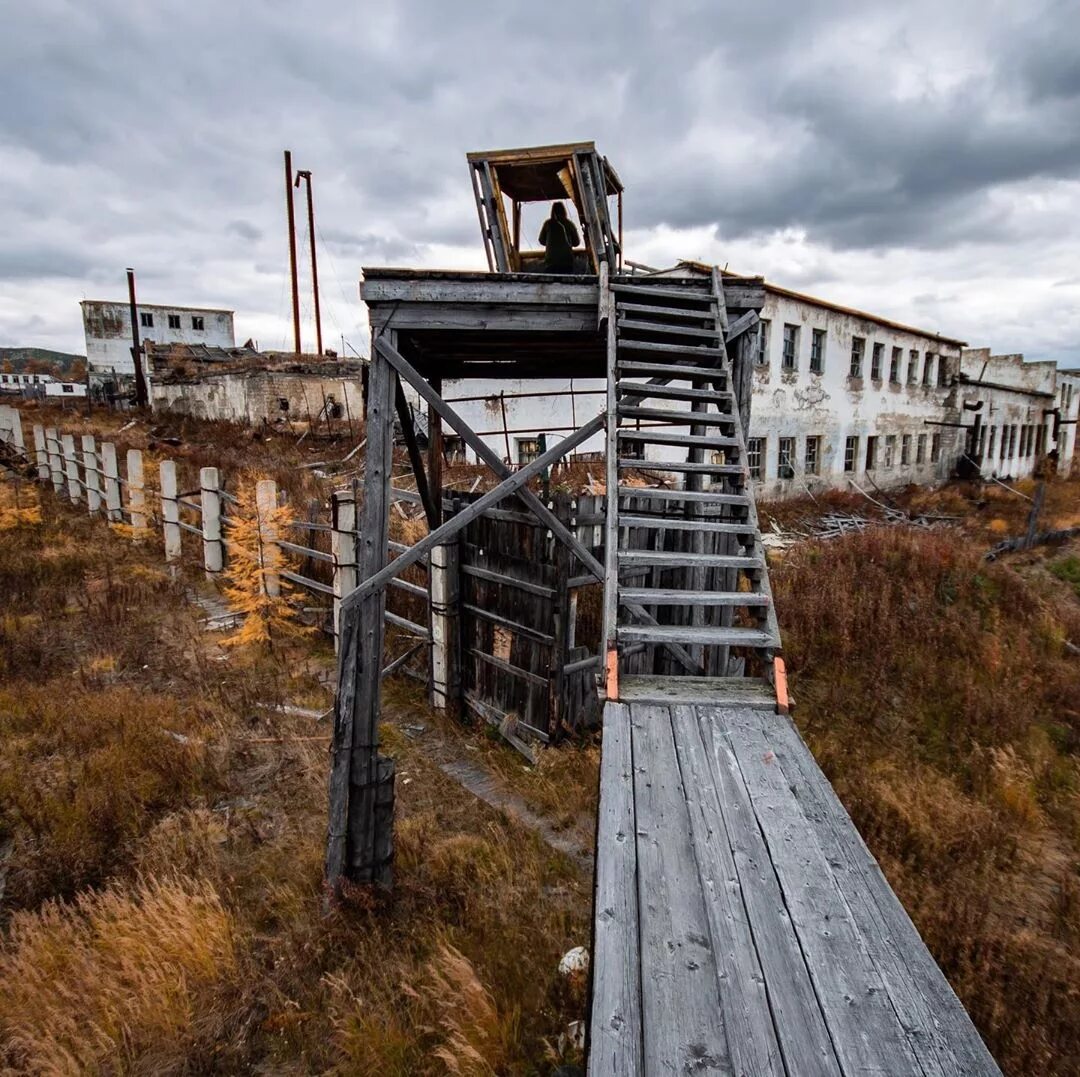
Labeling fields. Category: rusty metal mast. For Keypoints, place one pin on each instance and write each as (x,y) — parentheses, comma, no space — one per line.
(142,398)
(305,175)
(292,251)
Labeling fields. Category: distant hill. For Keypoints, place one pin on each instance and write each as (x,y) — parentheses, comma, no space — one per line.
(31,360)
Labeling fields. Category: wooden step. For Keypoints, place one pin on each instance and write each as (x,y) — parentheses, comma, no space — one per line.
(626,389)
(708,635)
(636,325)
(678,559)
(715,355)
(688,295)
(682,523)
(656,493)
(656,436)
(635,368)
(685,466)
(656,596)
(676,417)
(718,691)
(666,312)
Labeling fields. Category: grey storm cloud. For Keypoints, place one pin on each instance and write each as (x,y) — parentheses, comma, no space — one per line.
(151,135)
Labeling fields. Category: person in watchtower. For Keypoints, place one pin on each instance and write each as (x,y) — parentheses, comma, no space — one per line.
(559,238)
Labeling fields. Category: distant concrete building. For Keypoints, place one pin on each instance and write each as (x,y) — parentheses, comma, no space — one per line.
(245,386)
(1068,403)
(35,385)
(107,326)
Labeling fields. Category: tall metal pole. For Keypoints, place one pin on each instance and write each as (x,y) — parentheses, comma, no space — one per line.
(292,251)
(305,174)
(141,396)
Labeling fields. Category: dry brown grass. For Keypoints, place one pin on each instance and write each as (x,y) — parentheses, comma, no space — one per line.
(937,694)
(116,981)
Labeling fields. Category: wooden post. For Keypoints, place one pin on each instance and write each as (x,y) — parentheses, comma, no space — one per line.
(92,474)
(136,492)
(111,472)
(265,503)
(343,547)
(1033,516)
(170,510)
(56,466)
(435,454)
(361,791)
(446,627)
(71,466)
(560,645)
(41,453)
(210,500)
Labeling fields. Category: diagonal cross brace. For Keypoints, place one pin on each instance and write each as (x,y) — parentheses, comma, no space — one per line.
(538,508)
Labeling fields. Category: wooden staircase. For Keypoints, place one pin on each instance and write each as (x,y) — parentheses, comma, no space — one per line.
(688,613)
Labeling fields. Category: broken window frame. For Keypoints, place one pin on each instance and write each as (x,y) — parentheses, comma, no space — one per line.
(928,370)
(905,450)
(935,448)
(812,455)
(858,352)
(198,323)
(146,319)
(762,357)
(817,351)
(790,355)
(174,321)
(877,355)
(920,450)
(785,458)
(871,452)
(755,457)
(913,366)
(894,365)
(851,453)
(889,455)
(525,454)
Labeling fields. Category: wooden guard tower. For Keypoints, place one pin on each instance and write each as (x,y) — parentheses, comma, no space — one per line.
(740,925)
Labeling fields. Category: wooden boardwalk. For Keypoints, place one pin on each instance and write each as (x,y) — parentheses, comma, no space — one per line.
(741,925)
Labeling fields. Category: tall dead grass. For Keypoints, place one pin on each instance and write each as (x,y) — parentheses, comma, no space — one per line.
(116,981)
(936,692)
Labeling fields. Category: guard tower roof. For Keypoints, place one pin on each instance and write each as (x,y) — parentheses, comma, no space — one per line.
(540,173)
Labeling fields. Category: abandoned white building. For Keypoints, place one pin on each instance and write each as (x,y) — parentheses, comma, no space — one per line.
(32,385)
(837,394)
(246,386)
(107,326)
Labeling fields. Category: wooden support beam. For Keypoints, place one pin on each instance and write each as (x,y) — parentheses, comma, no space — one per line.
(416,460)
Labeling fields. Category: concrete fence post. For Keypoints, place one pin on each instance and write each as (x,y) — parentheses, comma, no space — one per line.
(71,466)
(170,510)
(41,453)
(110,470)
(56,463)
(210,497)
(92,474)
(265,504)
(343,546)
(136,492)
(15,429)
(445,627)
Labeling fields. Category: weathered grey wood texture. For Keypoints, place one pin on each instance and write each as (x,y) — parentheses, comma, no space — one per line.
(766,939)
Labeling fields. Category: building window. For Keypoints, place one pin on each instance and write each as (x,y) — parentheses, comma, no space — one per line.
(913,367)
(858,346)
(920,449)
(871,452)
(890,451)
(197,322)
(528,449)
(786,459)
(67,388)
(817,351)
(851,452)
(146,320)
(791,348)
(813,455)
(894,365)
(990,448)
(755,452)
(763,342)
(174,321)
(454,450)
(943,372)
(928,370)
(905,450)
(935,448)
(877,356)
(1012,441)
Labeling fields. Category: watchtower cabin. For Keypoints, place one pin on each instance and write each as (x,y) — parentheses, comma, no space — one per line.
(740,924)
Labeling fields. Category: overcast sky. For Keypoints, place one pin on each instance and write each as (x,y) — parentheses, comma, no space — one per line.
(916,160)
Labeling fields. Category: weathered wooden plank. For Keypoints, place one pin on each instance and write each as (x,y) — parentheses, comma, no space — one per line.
(509,581)
(744,995)
(679,978)
(937,1025)
(677,559)
(656,436)
(692,293)
(715,691)
(615,1024)
(713,355)
(676,416)
(670,596)
(660,493)
(634,325)
(507,623)
(798,1020)
(688,466)
(702,523)
(865,1030)
(681,313)
(377,289)
(642,390)
(505,317)
(509,667)
(706,635)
